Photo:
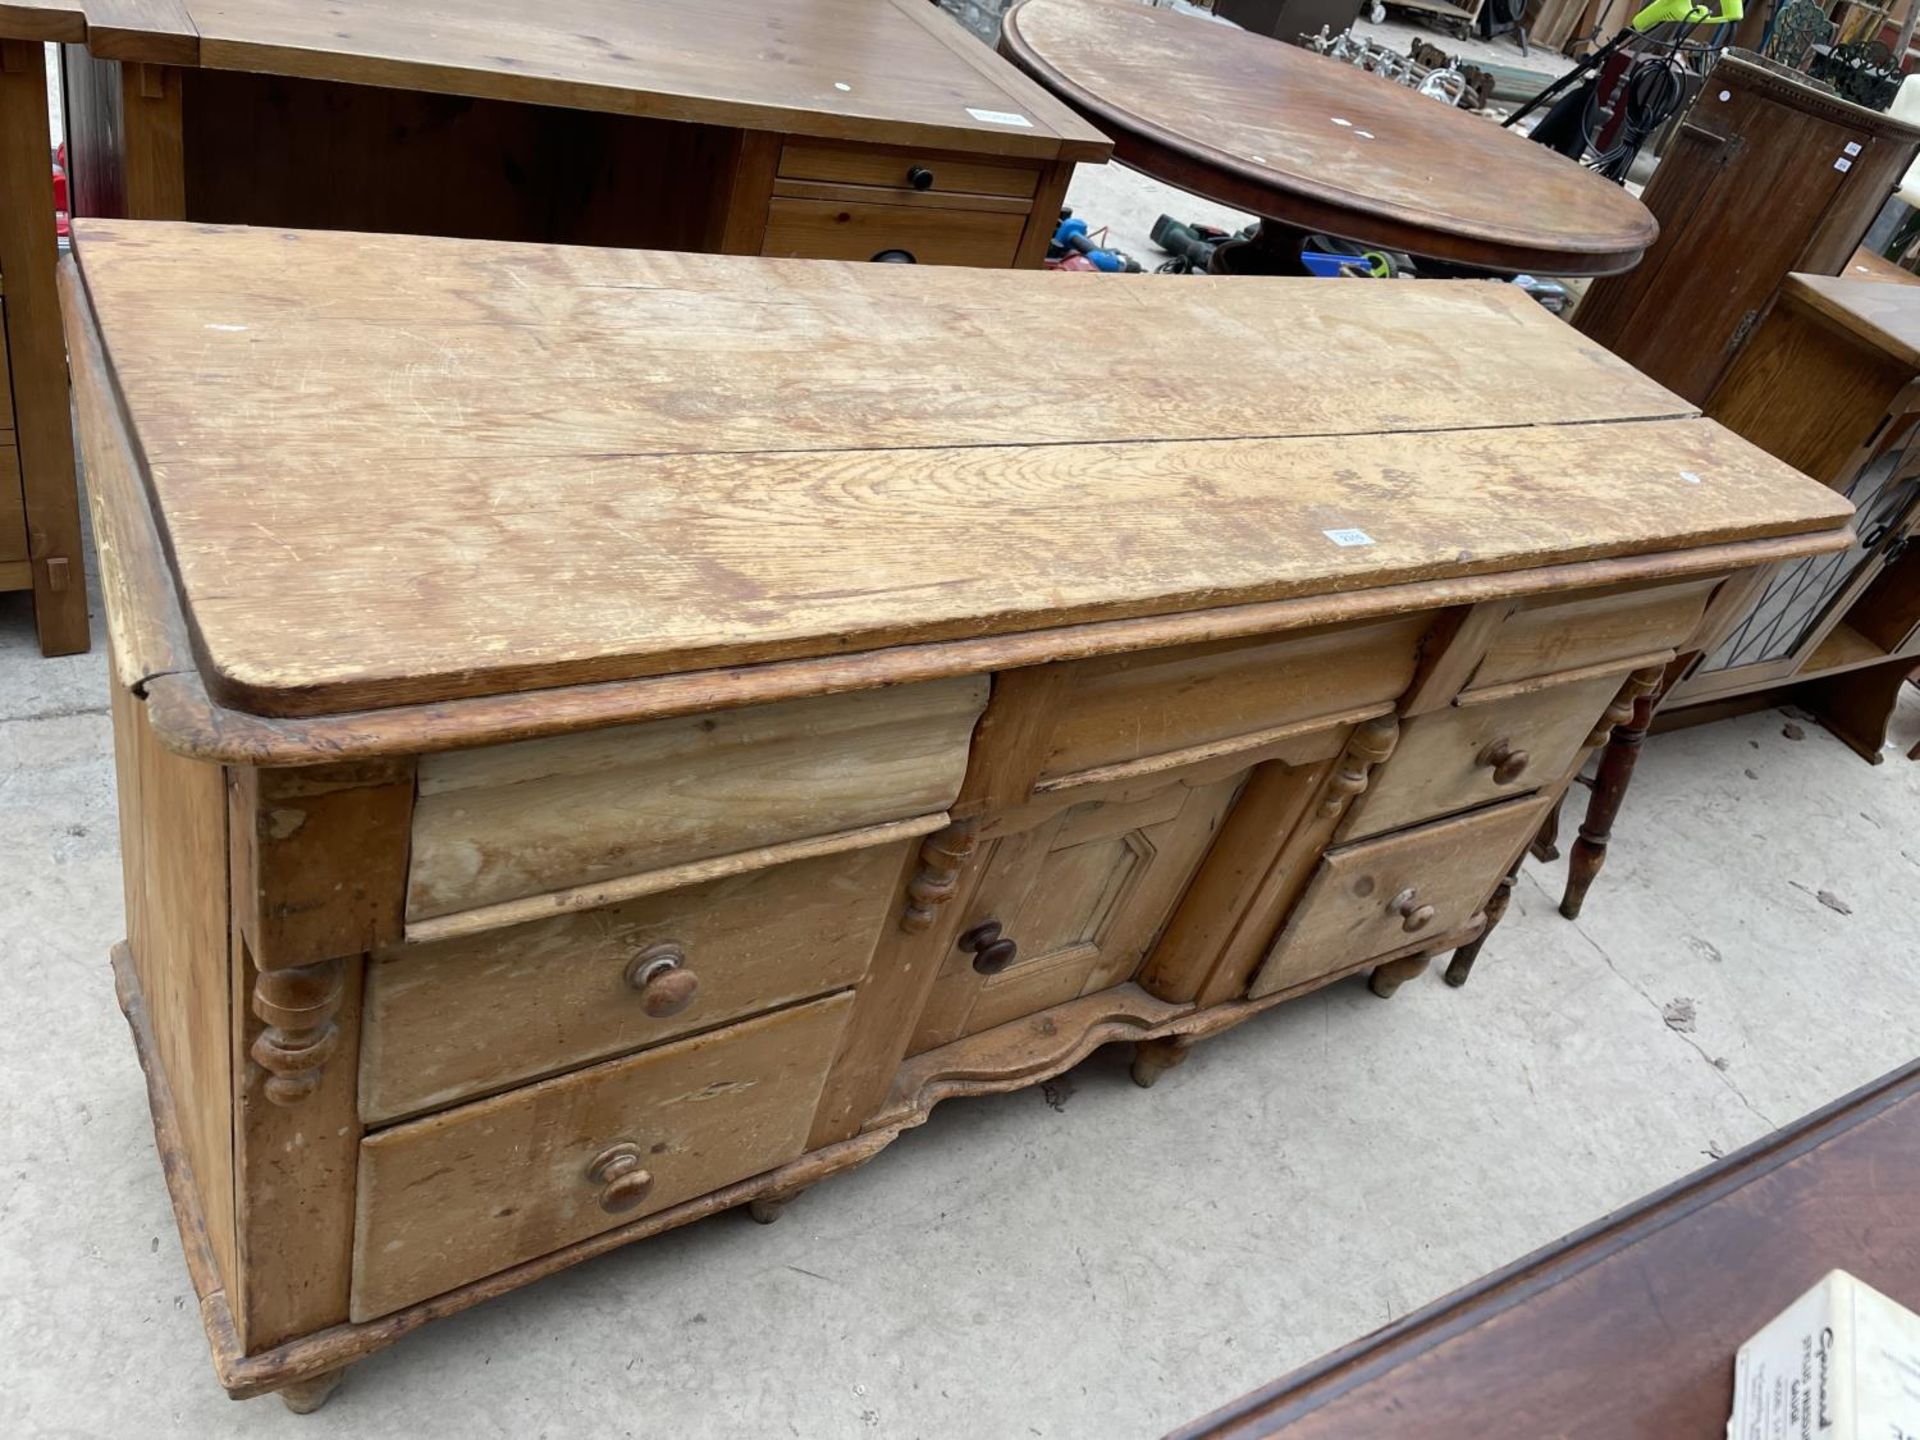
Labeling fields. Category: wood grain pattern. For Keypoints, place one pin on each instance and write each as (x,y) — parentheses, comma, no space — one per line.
(948,173)
(492,825)
(1280,131)
(320,858)
(1666,1289)
(1563,633)
(848,69)
(1364,899)
(43,420)
(1443,762)
(455,1018)
(1221,528)
(475,1190)
(864,230)
(173,839)
(1124,707)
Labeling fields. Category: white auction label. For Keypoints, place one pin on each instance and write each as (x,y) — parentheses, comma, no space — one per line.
(1348,538)
(1001,117)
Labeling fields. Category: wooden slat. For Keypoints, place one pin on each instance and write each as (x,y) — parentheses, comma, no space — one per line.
(719,483)
(59,22)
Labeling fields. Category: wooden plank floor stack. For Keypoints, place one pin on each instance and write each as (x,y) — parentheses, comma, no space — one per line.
(606,737)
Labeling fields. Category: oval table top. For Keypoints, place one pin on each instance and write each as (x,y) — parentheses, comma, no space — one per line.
(1320,145)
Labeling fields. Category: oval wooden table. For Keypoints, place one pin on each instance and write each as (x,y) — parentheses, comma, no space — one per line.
(1317,145)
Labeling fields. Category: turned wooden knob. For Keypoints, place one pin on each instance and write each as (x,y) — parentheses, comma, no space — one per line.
(1508,763)
(624,1182)
(660,974)
(991,953)
(920,177)
(1413,915)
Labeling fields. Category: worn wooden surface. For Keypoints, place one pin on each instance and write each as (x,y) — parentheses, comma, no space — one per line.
(1665,1290)
(1318,144)
(720,540)
(517,820)
(463,1194)
(1881,316)
(1369,899)
(456,1018)
(1555,634)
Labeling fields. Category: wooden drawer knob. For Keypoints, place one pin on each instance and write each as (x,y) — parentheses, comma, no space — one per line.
(919,177)
(991,953)
(624,1182)
(660,974)
(1414,917)
(1508,763)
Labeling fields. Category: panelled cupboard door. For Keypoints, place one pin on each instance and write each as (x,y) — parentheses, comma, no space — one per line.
(462,1194)
(1383,895)
(1081,895)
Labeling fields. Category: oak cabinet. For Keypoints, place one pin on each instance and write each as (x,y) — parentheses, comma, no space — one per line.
(620,801)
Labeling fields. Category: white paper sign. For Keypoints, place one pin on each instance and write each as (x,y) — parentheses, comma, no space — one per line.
(1346,539)
(1000,117)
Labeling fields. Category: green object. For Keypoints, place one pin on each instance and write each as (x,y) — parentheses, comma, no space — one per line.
(1685,12)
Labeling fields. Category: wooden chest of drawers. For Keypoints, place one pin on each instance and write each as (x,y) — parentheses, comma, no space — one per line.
(610,737)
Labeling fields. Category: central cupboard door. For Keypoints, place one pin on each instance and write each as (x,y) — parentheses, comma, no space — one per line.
(1069,900)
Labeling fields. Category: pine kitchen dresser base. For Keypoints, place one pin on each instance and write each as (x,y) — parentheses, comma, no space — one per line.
(560,801)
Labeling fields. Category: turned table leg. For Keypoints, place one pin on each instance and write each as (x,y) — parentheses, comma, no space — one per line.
(303,1397)
(1609,790)
(1153,1058)
(1461,966)
(1391,976)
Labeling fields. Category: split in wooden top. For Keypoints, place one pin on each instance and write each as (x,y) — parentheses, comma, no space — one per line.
(389,470)
(874,70)
(1883,315)
(1316,142)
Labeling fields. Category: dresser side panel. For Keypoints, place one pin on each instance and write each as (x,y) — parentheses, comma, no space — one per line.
(173,835)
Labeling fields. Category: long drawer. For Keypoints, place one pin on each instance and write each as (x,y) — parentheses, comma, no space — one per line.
(1383,895)
(1558,633)
(1119,709)
(545,815)
(869,229)
(906,171)
(455,1018)
(460,1195)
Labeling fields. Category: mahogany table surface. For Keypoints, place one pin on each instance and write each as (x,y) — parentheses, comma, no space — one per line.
(1628,1329)
(1319,145)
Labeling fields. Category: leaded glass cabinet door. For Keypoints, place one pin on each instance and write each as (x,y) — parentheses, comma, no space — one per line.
(1805,600)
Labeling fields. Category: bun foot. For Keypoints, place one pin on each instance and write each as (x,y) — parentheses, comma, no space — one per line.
(768,1208)
(1153,1058)
(303,1397)
(1391,976)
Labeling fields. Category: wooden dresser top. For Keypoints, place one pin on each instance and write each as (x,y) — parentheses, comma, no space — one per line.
(876,70)
(389,470)
(1882,315)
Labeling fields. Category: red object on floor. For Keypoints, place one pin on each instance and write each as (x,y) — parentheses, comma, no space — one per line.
(62,211)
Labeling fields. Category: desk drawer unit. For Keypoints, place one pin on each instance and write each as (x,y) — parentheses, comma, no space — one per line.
(453,1018)
(469,1192)
(1381,896)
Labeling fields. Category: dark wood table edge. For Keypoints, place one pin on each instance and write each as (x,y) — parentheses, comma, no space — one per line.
(1312,1386)
(1228,180)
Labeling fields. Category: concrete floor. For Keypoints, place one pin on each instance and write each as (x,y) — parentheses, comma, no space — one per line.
(1083,1259)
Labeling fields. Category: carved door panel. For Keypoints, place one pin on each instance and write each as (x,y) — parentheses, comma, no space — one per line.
(1079,895)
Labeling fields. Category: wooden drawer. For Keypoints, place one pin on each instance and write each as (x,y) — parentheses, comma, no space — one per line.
(1364,898)
(939,172)
(455,1018)
(1469,754)
(545,815)
(1597,628)
(1121,708)
(471,1191)
(13,503)
(860,230)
